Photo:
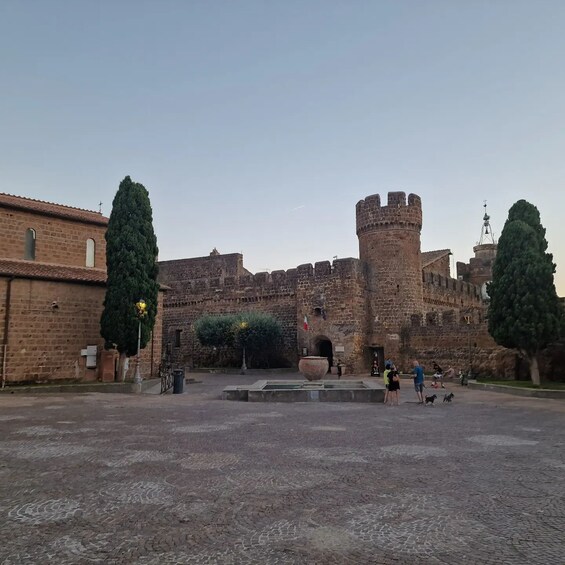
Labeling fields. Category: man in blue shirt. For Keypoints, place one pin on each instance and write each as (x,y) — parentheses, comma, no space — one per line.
(418,381)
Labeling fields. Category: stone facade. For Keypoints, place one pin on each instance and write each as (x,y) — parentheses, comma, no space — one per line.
(393,302)
(50,306)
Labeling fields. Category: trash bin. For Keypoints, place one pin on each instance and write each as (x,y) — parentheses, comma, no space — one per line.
(178,381)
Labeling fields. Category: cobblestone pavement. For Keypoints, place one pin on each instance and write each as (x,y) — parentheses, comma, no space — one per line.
(108,478)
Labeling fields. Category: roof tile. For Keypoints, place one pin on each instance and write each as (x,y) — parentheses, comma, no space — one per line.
(58,210)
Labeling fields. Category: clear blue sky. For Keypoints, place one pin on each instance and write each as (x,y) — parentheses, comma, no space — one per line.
(257,126)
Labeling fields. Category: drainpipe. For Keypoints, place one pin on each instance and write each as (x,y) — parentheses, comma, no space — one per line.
(6,330)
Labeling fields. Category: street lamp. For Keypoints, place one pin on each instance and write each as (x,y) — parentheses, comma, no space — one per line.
(243,326)
(468,320)
(141,312)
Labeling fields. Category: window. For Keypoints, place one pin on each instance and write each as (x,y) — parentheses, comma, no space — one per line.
(177,338)
(90,252)
(29,252)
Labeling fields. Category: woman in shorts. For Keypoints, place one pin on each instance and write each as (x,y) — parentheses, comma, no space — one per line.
(394,387)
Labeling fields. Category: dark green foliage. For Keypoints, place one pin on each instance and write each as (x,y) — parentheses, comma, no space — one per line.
(257,331)
(253,330)
(131,261)
(216,331)
(524,311)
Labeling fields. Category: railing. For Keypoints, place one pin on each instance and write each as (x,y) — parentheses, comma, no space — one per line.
(166,375)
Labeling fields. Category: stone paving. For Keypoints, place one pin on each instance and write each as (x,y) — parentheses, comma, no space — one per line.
(109,478)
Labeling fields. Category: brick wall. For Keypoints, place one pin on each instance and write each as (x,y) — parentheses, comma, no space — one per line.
(389,246)
(446,338)
(58,240)
(334,300)
(189,299)
(44,343)
(445,293)
(439,266)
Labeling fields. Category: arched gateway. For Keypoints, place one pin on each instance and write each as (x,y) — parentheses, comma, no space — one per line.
(324,348)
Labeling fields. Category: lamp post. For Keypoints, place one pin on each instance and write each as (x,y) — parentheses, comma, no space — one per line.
(141,310)
(468,320)
(243,326)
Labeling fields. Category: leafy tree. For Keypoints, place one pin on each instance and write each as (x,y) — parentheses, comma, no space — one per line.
(252,332)
(524,311)
(131,261)
(216,331)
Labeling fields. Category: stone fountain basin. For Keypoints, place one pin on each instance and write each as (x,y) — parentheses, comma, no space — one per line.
(307,391)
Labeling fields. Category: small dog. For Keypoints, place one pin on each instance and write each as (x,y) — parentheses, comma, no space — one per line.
(448,397)
(430,399)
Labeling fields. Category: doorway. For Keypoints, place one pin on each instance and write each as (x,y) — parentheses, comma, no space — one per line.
(378,353)
(325,349)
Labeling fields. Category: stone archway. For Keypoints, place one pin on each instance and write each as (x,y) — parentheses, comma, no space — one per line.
(324,348)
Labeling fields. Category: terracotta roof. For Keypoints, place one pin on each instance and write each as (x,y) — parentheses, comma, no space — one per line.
(429,257)
(51,272)
(50,209)
(20,268)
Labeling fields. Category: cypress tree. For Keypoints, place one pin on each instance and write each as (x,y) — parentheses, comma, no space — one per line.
(524,311)
(131,261)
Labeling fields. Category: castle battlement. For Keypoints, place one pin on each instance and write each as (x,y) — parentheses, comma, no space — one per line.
(451,284)
(467,317)
(264,283)
(397,214)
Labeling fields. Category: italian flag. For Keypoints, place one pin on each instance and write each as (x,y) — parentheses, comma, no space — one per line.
(305,323)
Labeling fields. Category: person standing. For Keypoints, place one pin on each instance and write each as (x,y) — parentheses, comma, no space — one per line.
(418,373)
(386,382)
(394,386)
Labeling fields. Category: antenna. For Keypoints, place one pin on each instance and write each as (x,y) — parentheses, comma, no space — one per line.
(100,207)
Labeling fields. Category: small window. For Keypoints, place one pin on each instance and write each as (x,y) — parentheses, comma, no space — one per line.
(90,252)
(29,252)
(177,338)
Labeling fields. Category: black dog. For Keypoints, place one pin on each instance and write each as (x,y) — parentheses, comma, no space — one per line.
(448,397)
(430,399)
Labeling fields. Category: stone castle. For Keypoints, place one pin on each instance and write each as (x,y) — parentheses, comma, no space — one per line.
(393,302)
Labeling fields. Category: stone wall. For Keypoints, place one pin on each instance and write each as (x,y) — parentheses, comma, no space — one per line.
(447,339)
(177,272)
(445,293)
(45,343)
(334,300)
(58,240)
(440,267)
(389,246)
(189,299)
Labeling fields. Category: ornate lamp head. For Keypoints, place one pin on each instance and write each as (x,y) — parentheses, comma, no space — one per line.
(141,308)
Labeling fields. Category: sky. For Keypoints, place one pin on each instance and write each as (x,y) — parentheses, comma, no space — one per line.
(256,126)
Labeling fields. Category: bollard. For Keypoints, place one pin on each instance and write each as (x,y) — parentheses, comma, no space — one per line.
(178,381)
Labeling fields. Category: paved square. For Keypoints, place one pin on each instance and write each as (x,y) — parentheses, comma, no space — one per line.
(107,478)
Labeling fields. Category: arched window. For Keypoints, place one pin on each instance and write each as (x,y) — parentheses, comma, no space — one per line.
(29,252)
(90,252)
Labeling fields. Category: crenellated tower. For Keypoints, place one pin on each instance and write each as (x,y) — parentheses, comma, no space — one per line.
(389,247)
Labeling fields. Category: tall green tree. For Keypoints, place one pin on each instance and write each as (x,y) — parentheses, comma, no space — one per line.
(131,262)
(524,311)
